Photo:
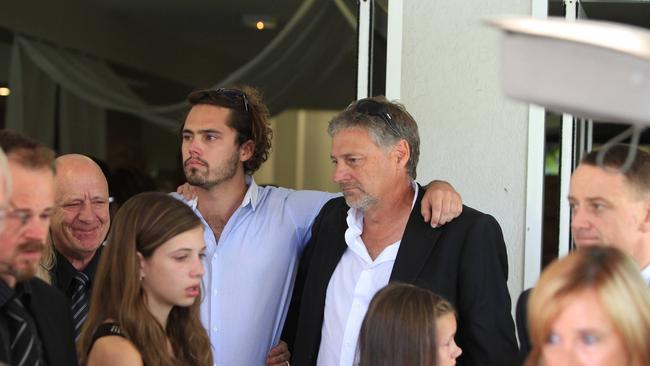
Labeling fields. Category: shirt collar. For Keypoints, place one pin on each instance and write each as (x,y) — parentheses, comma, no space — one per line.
(6,293)
(251,196)
(91,268)
(251,193)
(355,229)
(23,291)
(64,272)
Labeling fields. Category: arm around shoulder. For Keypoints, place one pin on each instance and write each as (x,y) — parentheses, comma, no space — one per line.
(114,350)
(441,203)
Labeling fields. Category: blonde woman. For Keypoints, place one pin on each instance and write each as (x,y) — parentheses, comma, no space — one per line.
(590,308)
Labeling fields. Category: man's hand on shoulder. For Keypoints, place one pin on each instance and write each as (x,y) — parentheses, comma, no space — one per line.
(441,203)
(187,191)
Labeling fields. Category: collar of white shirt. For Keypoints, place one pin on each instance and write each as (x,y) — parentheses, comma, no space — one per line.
(249,198)
(355,229)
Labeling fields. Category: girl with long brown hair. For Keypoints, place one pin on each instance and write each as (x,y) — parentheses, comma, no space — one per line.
(408,326)
(145,301)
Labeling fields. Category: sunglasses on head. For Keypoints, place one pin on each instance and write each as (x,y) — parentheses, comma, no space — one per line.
(374,108)
(232,94)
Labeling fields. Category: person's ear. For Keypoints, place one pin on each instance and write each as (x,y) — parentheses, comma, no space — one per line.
(402,152)
(141,265)
(246,150)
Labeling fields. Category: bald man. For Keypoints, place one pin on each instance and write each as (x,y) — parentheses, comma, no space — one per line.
(79,226)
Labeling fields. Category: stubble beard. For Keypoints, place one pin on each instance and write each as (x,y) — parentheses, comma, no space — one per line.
(362,203)
(202,179)
(26,269)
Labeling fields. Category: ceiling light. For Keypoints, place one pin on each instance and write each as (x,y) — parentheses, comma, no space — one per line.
(4,92)
(259,21)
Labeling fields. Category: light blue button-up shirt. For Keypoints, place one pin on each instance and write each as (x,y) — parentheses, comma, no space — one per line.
(249,275)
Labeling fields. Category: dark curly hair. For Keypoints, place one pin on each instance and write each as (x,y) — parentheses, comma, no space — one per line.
(248,116)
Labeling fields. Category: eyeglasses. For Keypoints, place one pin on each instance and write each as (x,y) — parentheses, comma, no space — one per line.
(232,94)
(23,215)
(374,108)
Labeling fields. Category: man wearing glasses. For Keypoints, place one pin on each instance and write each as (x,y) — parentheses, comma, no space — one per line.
(375,234)
(254,235)
(35,319)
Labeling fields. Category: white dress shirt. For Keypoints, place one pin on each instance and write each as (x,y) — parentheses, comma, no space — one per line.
(354,282)
(249,272)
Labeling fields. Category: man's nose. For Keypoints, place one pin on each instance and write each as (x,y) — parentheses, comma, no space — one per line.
(340,173)
(87,213)
(579,219)
(194,147)
(36,228)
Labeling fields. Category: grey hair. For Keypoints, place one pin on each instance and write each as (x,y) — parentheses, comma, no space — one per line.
(379,131)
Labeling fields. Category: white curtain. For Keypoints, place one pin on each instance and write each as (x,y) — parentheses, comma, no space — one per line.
(76,134)
(31,106)
(288,66)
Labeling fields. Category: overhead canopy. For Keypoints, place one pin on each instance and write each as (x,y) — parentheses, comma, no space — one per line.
(591,69)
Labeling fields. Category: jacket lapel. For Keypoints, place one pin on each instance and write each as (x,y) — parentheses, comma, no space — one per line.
(333,251)
(416,246)
(44,322)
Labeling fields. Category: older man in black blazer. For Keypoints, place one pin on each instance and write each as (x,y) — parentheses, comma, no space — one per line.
(372,236)
(35,319)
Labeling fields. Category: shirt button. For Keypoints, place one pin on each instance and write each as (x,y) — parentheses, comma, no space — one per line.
(214,329)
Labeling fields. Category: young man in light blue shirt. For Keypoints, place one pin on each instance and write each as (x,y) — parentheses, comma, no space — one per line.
(254,235)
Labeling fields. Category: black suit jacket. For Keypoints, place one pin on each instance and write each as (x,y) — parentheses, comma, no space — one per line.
(522,325)
(50,310)
(464,261)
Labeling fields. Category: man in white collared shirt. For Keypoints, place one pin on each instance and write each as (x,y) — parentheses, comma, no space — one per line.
(374,235)
(254,235)
(608,208)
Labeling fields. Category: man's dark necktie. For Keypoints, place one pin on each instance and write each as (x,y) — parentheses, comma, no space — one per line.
(79,302)
(25,345)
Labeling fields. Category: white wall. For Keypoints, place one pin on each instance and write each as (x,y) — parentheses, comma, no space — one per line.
(471,135)
(300,151)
